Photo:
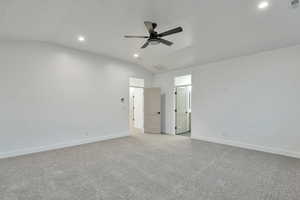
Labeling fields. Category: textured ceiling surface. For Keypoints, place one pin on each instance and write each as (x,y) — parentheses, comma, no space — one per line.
(213,30)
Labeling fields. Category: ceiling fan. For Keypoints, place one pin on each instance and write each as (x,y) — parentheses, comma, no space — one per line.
(154,37)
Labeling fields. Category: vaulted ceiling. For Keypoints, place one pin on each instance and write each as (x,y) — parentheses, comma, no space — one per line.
(213,30)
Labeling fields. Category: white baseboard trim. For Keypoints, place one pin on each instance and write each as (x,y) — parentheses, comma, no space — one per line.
(248,146)
(61,145)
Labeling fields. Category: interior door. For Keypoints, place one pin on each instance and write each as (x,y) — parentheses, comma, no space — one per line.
(131,107)
(182,110)
(152,117)
(138,107)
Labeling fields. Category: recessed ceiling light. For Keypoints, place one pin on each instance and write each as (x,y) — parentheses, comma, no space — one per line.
(263,5)
(136,55)
(81,38)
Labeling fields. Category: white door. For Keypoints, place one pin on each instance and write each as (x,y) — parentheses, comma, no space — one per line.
(182,110)
(136,111)
(138,108)
(152,121)
(131,105)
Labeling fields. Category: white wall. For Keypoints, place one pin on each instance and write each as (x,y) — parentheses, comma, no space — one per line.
(52,96)
(166,82)
(250,101)
(183,80)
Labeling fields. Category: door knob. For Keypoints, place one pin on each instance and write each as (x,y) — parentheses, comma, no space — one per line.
(158,113)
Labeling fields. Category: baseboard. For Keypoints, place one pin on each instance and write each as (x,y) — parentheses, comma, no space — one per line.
(61,145)
(248,146)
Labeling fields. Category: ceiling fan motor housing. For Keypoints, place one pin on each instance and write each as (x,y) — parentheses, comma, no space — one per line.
(155,38)
(153,41)
(154,25)
(294,3)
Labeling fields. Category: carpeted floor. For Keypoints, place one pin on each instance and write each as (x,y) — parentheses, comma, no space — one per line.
(152,167)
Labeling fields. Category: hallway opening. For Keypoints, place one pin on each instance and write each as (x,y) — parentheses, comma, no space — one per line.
(183,105)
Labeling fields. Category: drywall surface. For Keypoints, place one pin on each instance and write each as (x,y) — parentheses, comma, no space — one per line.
(51,96)
(250,101)
(167,84)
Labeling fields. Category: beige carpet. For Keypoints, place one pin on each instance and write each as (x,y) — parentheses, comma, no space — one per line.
(152,167)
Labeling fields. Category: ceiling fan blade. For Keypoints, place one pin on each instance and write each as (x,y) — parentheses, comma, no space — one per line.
(135,36)
(166,42)
(170,32)
(150,26)
(145,45)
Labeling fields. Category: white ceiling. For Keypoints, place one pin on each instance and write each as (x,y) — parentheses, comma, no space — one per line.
(213,30)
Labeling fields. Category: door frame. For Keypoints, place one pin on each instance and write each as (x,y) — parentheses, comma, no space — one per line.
(153,113)
(134,82)
(175,106)
(132,118)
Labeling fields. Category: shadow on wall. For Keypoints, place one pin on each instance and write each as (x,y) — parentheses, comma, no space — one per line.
(162,111)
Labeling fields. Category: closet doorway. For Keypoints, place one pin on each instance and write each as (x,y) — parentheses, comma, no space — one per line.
(183,105)
(136,105)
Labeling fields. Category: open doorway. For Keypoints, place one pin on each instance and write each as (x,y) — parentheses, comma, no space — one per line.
(183,105)
(136,105)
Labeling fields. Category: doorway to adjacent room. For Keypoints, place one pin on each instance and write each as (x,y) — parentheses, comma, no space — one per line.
(136,105)
(183,105)
(144,108)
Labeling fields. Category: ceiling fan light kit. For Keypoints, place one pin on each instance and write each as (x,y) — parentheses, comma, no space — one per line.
(155,38)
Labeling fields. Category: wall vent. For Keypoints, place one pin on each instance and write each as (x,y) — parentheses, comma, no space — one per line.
(294,3)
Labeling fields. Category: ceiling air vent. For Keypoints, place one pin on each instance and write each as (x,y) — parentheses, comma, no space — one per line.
(294,3)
